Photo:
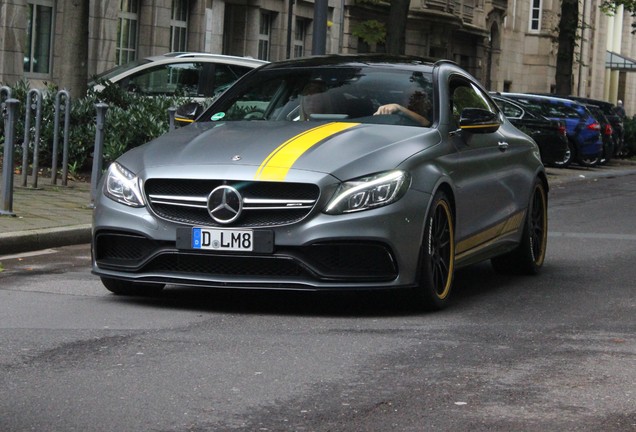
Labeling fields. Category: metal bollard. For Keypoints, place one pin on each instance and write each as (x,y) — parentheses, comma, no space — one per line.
(98,151)
(67,130)
(171,113)
(62,96)
(7,167)
(5,93)
(34,102)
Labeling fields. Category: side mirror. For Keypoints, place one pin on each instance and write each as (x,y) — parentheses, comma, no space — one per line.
(478,120)
(186,113)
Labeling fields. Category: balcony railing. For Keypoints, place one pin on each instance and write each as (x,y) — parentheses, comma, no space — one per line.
(464,9)
(447,6)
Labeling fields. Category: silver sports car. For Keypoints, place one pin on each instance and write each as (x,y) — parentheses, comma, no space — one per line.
(327,173)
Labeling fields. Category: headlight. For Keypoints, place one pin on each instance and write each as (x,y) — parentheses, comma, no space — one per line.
(122,186)
(369,192)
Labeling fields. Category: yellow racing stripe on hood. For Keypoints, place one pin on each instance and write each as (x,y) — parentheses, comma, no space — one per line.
(280,161)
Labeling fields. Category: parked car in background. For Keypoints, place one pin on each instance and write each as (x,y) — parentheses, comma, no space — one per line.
(196,75)
(616,120)
(606,132)
(550,135)
(328,173)
(583,131)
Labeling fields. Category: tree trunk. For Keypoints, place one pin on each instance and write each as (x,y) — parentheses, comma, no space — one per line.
(568,26)
(396,26)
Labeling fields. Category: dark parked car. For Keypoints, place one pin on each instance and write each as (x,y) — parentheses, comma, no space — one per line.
(550,135)
(582,128)
(607,133)
(616,120)
(328,173)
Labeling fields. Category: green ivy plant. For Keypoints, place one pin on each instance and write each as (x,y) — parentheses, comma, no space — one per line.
(370,31)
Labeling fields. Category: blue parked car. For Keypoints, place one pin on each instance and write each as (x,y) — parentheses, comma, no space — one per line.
(583,130)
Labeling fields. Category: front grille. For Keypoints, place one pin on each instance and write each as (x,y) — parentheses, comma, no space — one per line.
(264,203)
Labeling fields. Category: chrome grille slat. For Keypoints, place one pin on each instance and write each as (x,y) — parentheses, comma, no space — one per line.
(264,203)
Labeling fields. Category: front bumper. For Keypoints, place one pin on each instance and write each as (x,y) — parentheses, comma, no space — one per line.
(376,248)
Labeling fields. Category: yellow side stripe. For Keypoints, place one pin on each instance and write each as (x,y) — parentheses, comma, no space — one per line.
(276,166)
(486,237)
(481,126)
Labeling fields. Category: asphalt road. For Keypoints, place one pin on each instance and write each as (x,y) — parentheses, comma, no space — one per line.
(554,352)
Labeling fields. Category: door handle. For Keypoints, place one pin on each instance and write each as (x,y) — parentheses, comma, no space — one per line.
(503,146)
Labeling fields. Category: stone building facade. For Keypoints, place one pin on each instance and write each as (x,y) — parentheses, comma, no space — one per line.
(509,45)
(529,46)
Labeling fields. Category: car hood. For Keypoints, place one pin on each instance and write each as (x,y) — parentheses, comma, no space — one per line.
(278,151)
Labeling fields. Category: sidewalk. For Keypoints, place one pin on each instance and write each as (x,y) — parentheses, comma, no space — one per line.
(53,216)
(46,217)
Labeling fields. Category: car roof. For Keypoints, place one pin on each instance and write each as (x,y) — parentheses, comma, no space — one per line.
(542,97)
(356,60)
(189,56)
(129,68)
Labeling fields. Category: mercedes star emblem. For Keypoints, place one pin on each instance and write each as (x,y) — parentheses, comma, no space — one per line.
(225,204)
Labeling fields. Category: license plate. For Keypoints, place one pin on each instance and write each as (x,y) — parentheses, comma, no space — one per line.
(223,239)
(260,241)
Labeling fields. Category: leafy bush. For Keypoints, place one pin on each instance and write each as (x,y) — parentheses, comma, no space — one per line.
(131,120)
(630,135)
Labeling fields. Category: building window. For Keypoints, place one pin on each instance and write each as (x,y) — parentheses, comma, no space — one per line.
(179,25)
(39,37)
(535,16)
(264,35)
(126,50)
(300,34)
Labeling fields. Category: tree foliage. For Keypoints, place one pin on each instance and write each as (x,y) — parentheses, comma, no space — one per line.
(610,7)
(370,31)
(392,31)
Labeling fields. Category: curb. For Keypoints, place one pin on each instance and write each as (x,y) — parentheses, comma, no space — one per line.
(26,241)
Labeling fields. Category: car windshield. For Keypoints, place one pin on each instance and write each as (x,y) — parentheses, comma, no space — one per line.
(339,93)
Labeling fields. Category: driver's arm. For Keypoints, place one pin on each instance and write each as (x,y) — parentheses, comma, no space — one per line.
(394,108)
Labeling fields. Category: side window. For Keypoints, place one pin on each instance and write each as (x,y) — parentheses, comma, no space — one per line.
(179,78)
(225,76)
(465,94)
(510,110)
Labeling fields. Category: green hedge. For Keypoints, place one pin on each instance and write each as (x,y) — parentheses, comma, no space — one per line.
(131,120)
(630,135)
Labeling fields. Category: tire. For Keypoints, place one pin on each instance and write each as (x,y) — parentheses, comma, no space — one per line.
(568,158)
(122,287)
(437,255)
(529,256)
(589,161)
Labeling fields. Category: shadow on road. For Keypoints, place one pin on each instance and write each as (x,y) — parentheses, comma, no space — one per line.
(471,285)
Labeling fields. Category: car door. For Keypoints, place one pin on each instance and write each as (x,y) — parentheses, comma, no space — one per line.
(481,176)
